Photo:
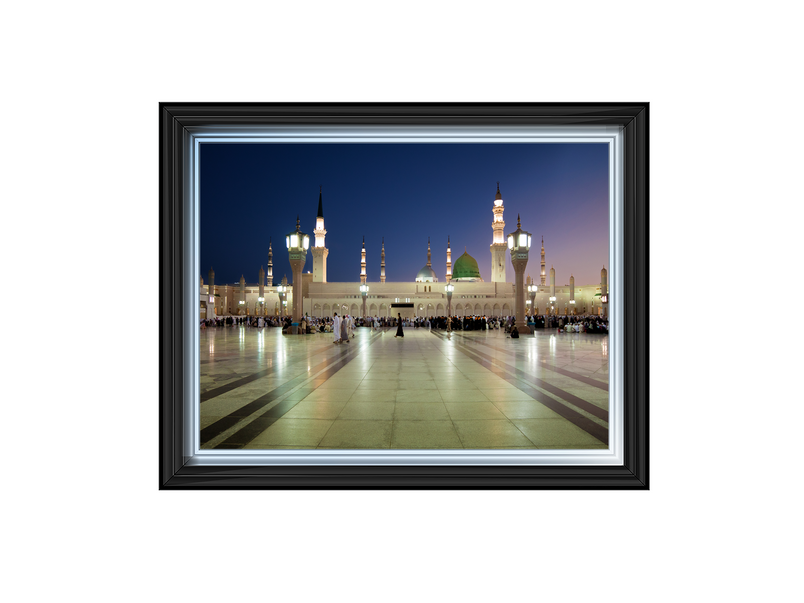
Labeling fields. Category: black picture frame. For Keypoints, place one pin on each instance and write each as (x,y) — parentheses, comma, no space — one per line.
(177,120)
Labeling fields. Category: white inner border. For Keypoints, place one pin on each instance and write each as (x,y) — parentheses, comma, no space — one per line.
(193,137)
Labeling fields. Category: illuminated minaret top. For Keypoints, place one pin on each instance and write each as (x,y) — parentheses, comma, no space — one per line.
(363,262)
(543,275)
(319,231)
(449,261)
(382,262)
(270,275)
(498,246)
(320,252)
(429,265)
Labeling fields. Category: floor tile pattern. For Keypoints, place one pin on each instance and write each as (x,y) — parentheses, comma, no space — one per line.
(429,390)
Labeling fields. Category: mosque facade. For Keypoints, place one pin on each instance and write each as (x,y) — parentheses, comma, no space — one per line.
(424,296)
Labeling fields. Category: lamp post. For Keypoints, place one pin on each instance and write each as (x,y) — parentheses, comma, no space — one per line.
(449,288)
(364,292)
(297,243)
(262,305)
(519,245)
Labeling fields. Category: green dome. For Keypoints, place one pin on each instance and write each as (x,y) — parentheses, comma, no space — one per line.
(465,267)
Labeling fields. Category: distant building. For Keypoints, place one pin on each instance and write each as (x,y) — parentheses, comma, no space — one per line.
(424,295)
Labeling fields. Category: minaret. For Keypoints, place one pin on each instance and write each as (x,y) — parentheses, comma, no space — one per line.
(543,273)
(270,265)
(429,265)
(320,252)
(382,262)
(498,246)
(363,262)
(449,261)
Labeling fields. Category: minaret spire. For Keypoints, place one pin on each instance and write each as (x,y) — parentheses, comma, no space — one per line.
(543,273)
(449,261)
(363,261)
(498,246)
(382,262)
(428,253)
(270,274)
(320,251)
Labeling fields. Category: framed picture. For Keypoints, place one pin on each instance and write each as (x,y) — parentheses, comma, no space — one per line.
(330,367)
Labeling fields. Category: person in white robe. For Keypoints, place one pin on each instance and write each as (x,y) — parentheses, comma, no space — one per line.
(336,328)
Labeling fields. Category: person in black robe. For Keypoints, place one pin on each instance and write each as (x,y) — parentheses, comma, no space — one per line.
(399,332)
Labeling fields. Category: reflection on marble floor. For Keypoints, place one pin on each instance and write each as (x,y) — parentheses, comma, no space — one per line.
(428,390)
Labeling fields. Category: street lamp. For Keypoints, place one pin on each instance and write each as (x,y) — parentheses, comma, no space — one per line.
(297,243)
(552,304)
(449,288)
(364,292)
(519,245)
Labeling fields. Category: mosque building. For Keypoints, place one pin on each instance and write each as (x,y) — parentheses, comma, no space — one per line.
(423,296)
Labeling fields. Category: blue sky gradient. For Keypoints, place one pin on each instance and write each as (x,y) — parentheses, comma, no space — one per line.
(250,193)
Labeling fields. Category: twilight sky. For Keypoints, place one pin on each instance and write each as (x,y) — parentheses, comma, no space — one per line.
(405,193)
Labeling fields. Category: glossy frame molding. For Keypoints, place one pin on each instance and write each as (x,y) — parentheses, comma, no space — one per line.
(177,122)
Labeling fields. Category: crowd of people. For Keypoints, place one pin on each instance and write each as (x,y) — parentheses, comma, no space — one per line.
(343,326)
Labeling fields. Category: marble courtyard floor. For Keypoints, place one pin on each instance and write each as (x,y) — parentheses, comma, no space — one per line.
(429,390)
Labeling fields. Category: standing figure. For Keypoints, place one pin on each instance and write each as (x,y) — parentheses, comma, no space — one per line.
(344,332)
(336,327)
(399,332)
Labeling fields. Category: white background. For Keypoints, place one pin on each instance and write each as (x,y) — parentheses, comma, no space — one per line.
(84,519)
